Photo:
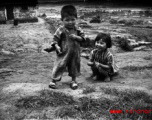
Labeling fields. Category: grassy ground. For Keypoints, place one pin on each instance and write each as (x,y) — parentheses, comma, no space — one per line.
(25,72)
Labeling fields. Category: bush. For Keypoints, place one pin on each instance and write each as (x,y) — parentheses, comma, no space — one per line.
(43,15)
(95,20)
(113,21)
(122,21)
(123,43)
(147,12)
(140,22)
(129,23)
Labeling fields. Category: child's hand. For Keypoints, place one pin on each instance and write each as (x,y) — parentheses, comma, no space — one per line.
(97,64)
(58,49)
(50,49)
(73,37)
(90,63)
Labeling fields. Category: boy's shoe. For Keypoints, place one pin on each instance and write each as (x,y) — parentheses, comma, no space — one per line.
(74,85)
(52,85)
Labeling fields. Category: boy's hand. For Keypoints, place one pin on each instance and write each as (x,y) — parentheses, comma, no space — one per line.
(75,37)
(90,63)
(58,49)
(50,49)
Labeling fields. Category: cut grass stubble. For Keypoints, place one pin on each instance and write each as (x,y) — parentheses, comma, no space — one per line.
(88,108)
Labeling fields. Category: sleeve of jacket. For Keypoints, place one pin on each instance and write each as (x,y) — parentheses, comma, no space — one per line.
(57,36)
(81,34)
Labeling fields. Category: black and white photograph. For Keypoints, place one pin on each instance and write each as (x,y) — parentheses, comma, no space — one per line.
(75,60)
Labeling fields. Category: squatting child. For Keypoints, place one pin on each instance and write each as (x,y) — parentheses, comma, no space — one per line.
(66,41)
(101,59)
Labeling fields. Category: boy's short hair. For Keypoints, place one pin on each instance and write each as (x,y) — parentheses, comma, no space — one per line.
(105,37)
(68,10)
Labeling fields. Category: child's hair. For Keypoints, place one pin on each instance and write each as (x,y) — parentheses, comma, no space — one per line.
(105,37)
(68,10)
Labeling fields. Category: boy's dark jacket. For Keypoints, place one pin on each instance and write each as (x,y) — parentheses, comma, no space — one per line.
(52,47)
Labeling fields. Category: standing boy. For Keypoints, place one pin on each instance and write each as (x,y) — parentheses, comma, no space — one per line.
(66,41)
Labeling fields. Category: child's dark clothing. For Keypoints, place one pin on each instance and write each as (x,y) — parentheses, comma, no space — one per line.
(70,53)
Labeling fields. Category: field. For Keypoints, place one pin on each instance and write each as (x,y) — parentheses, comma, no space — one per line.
(25,68)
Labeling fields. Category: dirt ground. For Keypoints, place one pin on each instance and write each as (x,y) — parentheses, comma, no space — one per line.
(26,69)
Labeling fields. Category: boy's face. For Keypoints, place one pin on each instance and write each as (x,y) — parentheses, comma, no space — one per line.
(101,44)
(69,22)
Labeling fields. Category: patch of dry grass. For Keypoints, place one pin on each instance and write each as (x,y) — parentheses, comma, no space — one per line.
(66,107)
(89,108)
(141,34)
(137,68)
(88,90)
(129,99)
(66,112)
(130,94)
(148,58)
(45,99)
(147,74)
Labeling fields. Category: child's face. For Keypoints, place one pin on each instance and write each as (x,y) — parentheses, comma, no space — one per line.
(101,44)
(69,22)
